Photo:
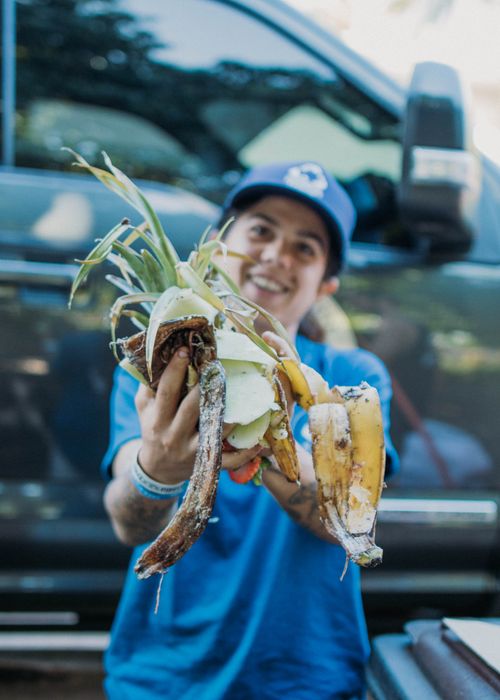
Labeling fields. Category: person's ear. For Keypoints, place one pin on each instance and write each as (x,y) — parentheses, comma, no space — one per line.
(328,287)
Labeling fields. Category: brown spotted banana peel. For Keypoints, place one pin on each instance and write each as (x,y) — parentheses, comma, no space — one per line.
(349,461)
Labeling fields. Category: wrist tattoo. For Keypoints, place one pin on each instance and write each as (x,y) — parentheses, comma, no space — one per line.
(303,504)
(143,519)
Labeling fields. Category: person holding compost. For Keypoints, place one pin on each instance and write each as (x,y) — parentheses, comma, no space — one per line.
(256,608)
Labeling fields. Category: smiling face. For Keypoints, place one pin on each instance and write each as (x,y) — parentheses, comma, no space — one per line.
(289,243)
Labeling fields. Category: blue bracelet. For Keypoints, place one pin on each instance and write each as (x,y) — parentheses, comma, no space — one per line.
(150,488)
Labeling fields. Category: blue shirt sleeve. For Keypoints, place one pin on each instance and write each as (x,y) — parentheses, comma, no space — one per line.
(124,422)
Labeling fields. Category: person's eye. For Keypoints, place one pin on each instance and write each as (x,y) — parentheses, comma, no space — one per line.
(259,230)
(307,250)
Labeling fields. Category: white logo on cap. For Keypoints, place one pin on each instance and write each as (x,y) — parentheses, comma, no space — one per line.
(308,178)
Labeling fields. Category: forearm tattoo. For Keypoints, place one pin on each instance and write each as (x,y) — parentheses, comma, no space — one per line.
(136,519)
(302,505)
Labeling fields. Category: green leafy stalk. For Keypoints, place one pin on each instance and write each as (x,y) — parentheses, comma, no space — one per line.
(141,321)
(154,271)
(193,280)
(168,272)
(97,255)
(134,262)
(123,285)
(121,185)
(202,258)
(103,176)
(231,284)
(153,277)
(204,235)
(122,265)
(141,204)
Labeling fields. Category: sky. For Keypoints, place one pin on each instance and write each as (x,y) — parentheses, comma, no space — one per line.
(396,34)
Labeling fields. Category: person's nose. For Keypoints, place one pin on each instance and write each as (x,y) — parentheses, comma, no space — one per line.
(277,253)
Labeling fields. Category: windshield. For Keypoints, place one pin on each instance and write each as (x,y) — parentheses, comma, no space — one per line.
(189,93)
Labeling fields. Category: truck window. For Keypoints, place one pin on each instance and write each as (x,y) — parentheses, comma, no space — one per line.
(309,132)
(187,93)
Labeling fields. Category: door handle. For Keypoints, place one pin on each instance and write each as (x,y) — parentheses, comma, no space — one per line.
(451,512)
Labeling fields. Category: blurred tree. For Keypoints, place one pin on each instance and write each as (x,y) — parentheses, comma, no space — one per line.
(85,51)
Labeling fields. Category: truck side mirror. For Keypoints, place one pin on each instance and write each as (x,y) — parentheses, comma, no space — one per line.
(440,174)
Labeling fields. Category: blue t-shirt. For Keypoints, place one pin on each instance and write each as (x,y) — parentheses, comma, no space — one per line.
(256,608)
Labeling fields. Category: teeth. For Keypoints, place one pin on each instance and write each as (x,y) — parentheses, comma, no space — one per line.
(267,284)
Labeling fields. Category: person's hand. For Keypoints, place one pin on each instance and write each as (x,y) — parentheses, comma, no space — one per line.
(237,458)
(169,425)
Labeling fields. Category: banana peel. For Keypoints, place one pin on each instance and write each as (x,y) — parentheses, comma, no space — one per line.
(349,461)
(280,437)
(348,455)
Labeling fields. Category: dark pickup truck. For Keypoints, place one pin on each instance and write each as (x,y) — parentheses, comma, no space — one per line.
(184,96)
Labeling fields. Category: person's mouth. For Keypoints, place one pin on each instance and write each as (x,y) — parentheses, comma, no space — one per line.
(268,284)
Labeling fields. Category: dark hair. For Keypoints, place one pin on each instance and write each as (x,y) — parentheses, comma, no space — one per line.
(333,259)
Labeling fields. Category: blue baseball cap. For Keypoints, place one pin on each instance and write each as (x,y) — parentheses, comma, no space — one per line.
(309,183)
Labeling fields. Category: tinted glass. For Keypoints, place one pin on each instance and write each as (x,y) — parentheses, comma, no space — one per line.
(188,93)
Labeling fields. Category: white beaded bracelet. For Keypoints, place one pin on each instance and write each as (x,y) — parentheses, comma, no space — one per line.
(154,489)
